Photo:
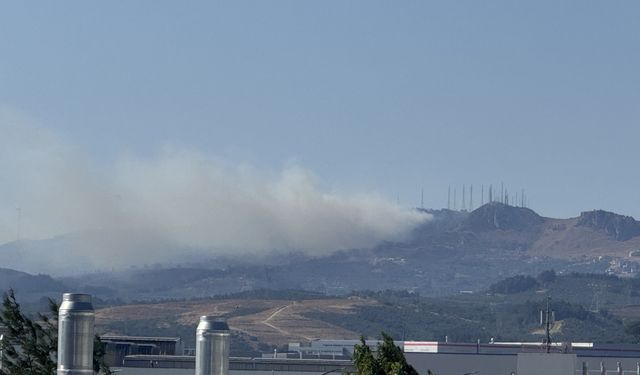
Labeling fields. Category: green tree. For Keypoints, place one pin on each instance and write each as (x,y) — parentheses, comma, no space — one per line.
(633,328)
(364,360)
(29,347)
(514,284)
(546,277)
(389,359)
(99,350)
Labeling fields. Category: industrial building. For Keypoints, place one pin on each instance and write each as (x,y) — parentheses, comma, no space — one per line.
(327,349)
(76,332)
(237,365)
(507,358)
(118,347)
(442,358)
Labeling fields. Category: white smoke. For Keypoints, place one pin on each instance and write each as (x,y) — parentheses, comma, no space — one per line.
(139,210)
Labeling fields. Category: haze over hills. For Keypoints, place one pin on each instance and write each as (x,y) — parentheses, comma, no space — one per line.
(452,252)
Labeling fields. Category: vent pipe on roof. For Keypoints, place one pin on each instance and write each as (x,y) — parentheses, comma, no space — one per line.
(75,335)
(212,346)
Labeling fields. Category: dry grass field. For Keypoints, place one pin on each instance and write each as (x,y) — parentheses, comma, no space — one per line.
(270,321)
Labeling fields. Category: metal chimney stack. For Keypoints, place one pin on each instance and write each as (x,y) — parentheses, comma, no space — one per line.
(212,346)
(75,335)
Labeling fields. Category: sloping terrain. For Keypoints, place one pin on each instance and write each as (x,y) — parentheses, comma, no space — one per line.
(567,239)
(499,227)
(272,321)
(455,251)
(31,289)
(586,308)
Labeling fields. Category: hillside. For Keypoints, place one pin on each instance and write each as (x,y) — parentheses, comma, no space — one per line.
(587,308)
(25,283)
(257,322)
(455,251)
(593,234)
(590,237)
(581,238)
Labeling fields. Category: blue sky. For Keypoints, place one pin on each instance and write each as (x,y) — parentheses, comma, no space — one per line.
(370,96)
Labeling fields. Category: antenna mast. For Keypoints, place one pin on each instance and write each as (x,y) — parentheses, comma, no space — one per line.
(548,327)
(464,207)
(455,204)
(19,221)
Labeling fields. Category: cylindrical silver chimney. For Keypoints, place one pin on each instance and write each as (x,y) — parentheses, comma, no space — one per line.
(212,346)
(75,335)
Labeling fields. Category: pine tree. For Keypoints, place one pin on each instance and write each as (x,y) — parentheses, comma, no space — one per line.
(29,347)
(364,360)
(389,359)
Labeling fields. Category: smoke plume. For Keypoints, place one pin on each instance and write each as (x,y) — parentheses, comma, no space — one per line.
(146,210)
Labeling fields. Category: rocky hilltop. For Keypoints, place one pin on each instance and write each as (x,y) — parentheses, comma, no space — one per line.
(498,216)
(501,227)
(621,227)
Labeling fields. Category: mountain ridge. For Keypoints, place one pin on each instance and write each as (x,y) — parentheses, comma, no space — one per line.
(454,251)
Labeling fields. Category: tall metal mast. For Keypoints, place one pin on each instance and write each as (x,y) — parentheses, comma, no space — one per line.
(548,327)
(463,198)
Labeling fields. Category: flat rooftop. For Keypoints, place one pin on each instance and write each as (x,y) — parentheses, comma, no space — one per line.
(138,338)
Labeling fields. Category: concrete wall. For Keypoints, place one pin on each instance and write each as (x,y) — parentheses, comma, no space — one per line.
(457,364)
(546,364)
